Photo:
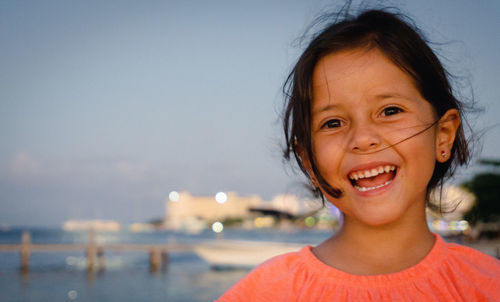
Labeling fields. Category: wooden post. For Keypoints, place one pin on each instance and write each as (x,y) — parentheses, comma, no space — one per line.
(165,259)
(91,250)
(25,251)
(100,259)
(154,259)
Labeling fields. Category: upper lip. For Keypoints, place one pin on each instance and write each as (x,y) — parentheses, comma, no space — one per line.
(368,167)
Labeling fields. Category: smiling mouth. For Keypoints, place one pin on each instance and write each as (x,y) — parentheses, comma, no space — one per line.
(371,179)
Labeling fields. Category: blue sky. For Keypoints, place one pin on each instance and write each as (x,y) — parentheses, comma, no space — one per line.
(106,106)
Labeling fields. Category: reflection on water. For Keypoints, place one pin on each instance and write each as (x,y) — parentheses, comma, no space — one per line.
(188,279)
(62,276)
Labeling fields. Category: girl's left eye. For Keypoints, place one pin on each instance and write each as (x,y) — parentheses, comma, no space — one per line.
(391,110)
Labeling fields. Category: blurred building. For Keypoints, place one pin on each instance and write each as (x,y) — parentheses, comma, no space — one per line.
(96,225)
(185,211)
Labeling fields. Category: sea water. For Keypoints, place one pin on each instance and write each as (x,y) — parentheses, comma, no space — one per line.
(62,276)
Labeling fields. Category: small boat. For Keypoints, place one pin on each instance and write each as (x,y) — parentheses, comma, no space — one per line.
(224,254)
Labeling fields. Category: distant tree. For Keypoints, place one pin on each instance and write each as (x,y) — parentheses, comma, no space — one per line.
(232,221)
(156,221)
(490,162)
(486,187)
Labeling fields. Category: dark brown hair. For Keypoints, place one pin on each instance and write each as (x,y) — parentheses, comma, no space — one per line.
(397,38)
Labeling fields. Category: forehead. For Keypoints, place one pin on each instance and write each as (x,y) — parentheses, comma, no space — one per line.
(358,72)
(339,64)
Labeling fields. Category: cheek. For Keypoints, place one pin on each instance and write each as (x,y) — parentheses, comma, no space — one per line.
(413,130)
(421,161)
(328,159)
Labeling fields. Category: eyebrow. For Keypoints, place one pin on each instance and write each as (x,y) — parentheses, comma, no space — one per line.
(326,108)
(381,96)
(390,95)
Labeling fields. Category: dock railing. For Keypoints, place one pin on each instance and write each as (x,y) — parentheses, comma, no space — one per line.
(158,253)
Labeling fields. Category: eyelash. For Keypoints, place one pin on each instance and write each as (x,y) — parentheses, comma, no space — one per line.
(388,111)
(392,108)
(328,123)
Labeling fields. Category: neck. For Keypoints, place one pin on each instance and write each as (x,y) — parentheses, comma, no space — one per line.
(386,240)
(368,250)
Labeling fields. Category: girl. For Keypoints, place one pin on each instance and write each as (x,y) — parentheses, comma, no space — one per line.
(372,122)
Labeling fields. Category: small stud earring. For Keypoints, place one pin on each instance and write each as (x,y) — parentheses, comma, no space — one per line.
(443,153)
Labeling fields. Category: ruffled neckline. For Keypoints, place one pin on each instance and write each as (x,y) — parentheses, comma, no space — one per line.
(422,269)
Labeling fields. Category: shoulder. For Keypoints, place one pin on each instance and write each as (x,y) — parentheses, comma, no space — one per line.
(474,274)
(283,263)
(473,261)
(273,277)
(276,270)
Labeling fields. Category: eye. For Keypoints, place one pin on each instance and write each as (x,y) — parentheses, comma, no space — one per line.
(391,110)
(333,123)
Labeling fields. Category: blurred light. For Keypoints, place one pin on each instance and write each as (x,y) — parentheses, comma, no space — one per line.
(221,197)
(440,225)
(453,225)
(72,294)
(263,222)
(217,227)
(463,225)
(174,196)
(323,217)
(309,221)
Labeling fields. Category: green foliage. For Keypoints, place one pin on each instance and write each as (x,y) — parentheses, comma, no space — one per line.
(156,222)
(486,187)
(490,162)
(232,221)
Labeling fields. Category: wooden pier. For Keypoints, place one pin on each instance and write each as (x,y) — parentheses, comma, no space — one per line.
(158,253)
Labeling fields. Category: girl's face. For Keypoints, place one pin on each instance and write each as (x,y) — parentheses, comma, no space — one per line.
(362,104)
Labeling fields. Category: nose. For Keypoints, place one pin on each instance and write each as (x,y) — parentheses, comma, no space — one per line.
(364,138)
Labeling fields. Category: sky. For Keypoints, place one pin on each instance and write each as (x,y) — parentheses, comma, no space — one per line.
(107,106)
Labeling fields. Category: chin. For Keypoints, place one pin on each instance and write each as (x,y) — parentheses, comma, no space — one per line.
(376,218)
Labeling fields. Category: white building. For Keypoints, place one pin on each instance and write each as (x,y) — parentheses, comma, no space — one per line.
(184,210)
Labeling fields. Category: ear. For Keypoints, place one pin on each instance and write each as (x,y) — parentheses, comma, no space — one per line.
(446,130)
(306,163)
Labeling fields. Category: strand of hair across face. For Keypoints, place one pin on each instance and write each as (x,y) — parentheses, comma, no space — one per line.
(337,193)
(404,139)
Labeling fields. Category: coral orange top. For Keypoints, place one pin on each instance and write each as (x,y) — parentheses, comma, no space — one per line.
(450,272)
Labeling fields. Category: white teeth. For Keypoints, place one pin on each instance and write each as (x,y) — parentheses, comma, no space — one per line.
(364,189)
(371,173)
